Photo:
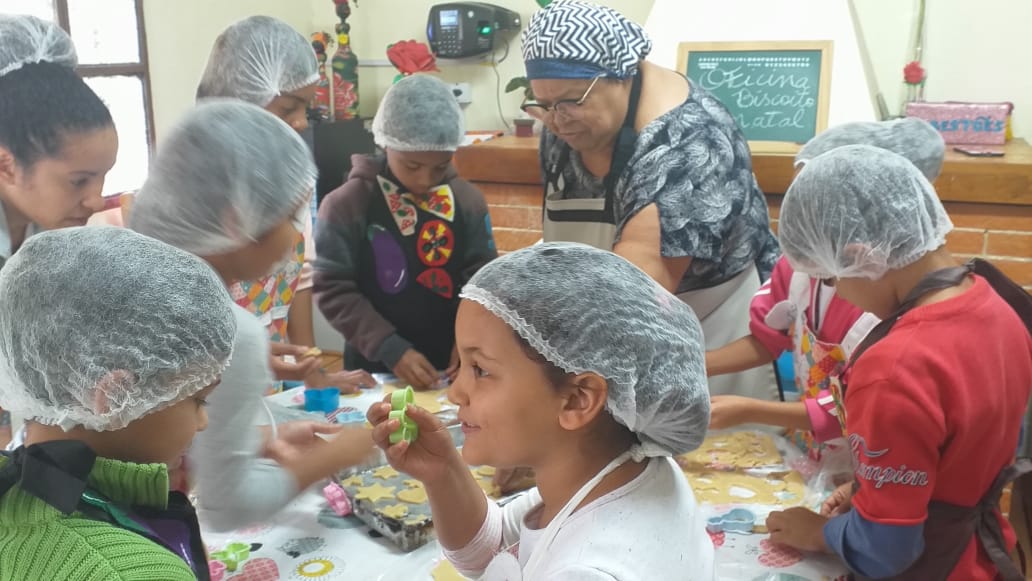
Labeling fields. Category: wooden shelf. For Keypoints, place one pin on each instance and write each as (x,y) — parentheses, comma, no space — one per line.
(980,180)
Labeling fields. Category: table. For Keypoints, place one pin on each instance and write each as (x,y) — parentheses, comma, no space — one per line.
(308,540)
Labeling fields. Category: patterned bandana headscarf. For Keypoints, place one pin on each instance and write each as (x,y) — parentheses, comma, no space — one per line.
(571,39)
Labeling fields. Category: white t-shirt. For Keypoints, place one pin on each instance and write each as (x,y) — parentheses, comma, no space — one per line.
(648,529)
(235,487)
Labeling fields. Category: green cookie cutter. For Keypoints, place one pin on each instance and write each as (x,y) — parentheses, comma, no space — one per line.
(232,555)
(408,431)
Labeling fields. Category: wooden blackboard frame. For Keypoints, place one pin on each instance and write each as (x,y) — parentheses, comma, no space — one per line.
(823,90)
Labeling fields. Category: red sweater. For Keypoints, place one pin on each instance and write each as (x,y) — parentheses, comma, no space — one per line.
(934,412)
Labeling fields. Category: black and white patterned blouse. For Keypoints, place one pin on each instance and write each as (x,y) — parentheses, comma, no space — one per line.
(693,162)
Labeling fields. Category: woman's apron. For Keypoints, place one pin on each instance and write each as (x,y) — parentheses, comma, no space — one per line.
(270,298)
(723,310)
(57,473)
(949,528)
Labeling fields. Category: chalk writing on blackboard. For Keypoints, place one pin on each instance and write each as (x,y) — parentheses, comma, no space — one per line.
(774,95)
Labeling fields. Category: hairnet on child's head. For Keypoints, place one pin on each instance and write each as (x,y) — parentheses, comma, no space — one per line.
(588,310)
(258,59)
(913,138)
(100,326)
(419,113)
(227,173)
(859,211)
(28,40)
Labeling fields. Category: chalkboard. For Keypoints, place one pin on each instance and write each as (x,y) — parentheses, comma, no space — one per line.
(776,91)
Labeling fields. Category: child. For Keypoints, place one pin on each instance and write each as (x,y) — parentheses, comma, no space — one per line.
(576,364)
(264,61)
(795,312)
(932,413)
(57,140)
(400,238)
(229,184)
(110,351)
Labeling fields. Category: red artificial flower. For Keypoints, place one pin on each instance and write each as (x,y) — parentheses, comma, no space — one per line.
(410,57)
(913,73)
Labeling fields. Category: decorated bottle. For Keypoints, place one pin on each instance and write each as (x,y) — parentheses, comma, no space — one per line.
(320,40)
(345,68)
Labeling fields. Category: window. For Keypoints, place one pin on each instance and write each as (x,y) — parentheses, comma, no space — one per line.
(110,39)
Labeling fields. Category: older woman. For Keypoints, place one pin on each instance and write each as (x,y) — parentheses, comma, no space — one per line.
(640,160)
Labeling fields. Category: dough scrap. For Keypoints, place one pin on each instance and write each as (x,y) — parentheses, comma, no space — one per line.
(385,473)
(375,492)
(395,511)
(413,495)
(445,571)
(715,487)
(733,451)
(353,481)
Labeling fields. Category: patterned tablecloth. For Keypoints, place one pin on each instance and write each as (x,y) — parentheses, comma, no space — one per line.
(308,541)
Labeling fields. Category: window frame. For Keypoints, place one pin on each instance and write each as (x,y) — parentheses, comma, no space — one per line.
(140,68)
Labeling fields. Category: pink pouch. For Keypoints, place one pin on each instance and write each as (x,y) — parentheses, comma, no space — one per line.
(965,123)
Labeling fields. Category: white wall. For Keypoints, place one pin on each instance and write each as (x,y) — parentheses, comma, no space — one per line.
(974,50)
(377,23)
(180,34)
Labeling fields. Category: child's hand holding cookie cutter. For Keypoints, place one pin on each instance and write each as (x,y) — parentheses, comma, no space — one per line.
(408,430)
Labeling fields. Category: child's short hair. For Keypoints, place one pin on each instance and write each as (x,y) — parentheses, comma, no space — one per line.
(859,211)
(100,326)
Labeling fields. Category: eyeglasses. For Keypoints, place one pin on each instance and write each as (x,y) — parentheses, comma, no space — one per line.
(565,108)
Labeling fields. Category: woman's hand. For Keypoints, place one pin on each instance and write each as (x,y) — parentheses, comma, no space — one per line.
(727,411)
(429,457)
(414,369)
(347,381)
(840,501)
(284,371)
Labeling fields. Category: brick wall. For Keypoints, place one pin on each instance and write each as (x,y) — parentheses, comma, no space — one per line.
(1002,234)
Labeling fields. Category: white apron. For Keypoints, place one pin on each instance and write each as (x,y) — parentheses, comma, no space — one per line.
(723,309)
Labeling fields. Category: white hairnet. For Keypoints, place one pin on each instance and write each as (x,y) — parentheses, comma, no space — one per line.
(29,40)
(588,310)
(419,113)
(227,173)
(258,59)
(100,326)
(913,138)
(859,211)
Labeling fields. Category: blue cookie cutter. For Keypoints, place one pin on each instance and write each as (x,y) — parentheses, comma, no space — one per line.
(325,400)
(738,520)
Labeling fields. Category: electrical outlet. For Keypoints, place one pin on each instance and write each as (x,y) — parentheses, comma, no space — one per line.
(463,93)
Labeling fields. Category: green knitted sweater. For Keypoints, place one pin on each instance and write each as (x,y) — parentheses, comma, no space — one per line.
(38,543)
